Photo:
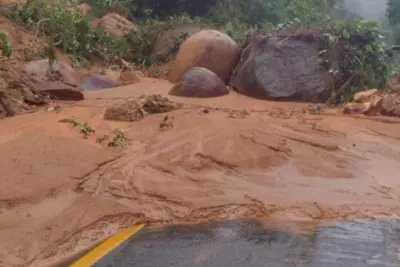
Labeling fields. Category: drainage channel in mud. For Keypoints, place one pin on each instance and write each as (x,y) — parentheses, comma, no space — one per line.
(249,243)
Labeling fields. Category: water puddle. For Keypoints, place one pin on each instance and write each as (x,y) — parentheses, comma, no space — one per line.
(97,82)
(250,243)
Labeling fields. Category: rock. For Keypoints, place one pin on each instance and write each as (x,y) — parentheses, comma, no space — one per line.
(114,24)
(9,106)
(128,77)
(209,49)
(134,110)
(391,105)
(96,82)
(37,67)
(354,108)
(393,83)
(374,106)
(396,111)
(370,108)
(10,2)
(199,82)
(165,40)
(84,9)
(13,99)
(286,67)
(366,96)
(388,105)
(41,68)
(59,90)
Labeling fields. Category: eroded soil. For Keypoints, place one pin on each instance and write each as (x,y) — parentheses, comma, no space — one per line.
(223,158)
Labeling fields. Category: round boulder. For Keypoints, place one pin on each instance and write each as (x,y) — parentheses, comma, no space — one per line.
(209,49)
(199,82)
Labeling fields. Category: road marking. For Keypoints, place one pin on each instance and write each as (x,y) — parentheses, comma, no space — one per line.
(106,247)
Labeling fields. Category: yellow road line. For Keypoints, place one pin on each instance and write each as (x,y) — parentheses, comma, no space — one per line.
(107,246)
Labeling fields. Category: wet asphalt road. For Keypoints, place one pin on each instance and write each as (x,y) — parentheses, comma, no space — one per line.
(247,243)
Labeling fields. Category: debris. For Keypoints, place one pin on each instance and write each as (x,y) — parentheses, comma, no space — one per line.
(137,109)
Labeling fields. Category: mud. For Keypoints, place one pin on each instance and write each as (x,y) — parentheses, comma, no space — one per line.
(223,158)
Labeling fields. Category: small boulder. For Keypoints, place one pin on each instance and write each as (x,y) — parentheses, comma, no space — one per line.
(366,96)
(354,108)
(137,109)
(114,24)
(128,77)
(391,105)
(209,49)
(84,9)
(41,68)
(199,82)
(393,83)
(10,2)
(97,82)
(369,108)
(59,90)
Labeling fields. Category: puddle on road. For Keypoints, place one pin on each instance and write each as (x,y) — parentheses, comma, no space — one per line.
(245,243)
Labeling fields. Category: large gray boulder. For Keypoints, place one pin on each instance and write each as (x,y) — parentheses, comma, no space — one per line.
(282,67)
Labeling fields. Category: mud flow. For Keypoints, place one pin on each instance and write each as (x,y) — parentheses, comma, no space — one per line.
(62,190)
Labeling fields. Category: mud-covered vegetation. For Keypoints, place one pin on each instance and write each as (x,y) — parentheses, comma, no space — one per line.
(70,30)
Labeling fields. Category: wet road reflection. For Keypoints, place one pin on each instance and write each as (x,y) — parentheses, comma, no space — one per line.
(249,243)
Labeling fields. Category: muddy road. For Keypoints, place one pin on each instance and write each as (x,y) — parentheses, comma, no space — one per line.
(223,158)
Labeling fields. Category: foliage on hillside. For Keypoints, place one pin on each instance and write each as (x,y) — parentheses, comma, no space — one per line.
(71,32)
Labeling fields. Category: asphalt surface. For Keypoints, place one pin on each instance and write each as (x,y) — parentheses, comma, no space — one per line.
(248,243)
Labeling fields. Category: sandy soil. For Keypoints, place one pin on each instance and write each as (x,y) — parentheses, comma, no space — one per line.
(244,158)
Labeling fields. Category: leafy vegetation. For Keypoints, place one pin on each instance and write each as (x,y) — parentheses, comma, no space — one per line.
(5,46)
(118,139)
(365,63)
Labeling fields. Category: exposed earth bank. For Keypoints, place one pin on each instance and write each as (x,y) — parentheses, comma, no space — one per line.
(221,158)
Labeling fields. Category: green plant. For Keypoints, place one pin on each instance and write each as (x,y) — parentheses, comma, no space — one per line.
(365,63)
(86,130)
(70,121)
(166,123)
(5,45)
(118,139)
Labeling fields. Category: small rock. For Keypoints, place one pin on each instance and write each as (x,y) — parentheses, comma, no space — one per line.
(128,77)
(41,68)
(115,24)
(134,110)
(354,108)
(388,105)
(365,96)
(84,9)
(59,90)
(49,109)
(8,107)
(204,111)
(396,111)
(375,106)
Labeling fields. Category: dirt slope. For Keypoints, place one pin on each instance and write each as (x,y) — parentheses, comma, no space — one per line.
(240,157)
